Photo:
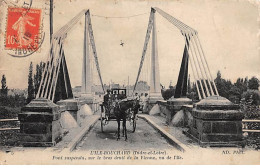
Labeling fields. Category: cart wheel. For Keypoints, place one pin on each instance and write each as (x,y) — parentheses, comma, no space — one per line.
(134,125)
(102,126)
(101,121)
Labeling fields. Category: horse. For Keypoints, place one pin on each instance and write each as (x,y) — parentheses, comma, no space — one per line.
(122,110)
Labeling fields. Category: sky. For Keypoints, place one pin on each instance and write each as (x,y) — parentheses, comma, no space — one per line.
(227,31)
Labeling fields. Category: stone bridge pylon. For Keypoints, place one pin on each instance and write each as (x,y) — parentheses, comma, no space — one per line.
(41,120)
(193,54)
(208,119)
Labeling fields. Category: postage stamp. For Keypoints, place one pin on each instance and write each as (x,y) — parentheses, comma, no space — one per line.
(22,29)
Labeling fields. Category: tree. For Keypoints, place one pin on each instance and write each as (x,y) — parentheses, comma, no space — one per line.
(30,84)
(4,87)
(168,93)
(193,95)
(234,94)
(253,96)
(189,85)
(142,86)
(38,76)
(223,85)
(239,87)
(253,83)
(241,84)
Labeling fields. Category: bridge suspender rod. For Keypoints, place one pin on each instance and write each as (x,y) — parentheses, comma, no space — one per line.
(65,29)
(207,66)
(187,44)
(51,75)
(47,68)
(44,71)
(51,64)
(183,28)
(205,70)
(173,20)
(48,72)
(58,37)
(186,28)
(190,60)
(201,59)
(198,62)
(57,72)
(147,37)
(209,80)
(92,41)
(197,41)
(194,63)
(196,80)
(195,48)
(64,75)
(61,35)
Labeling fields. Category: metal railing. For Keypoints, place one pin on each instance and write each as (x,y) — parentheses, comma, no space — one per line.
(245,126)
(9,128)
(96,107)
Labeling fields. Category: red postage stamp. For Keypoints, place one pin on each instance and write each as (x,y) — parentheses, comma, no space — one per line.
(22,28)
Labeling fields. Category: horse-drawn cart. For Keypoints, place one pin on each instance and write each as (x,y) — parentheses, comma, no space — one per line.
(113,109)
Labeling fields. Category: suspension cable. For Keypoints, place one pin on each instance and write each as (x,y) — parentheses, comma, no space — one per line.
(198,62)
(54,53)
(195,65)
(44,71)
(147,37)
(59,35)
(205,70)
(57,73)
(120,17)
(208,66)
(92,41)
(191,63)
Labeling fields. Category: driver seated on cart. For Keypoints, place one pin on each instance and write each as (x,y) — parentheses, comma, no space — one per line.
(107,101)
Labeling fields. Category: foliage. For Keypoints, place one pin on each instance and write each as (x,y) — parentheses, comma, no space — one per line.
(234,95)
(252,96)
(253,83)
(251,111)
(192,93)
(223,85)
(236,91)
(189,85)
(142,85)
(233,92)
(12,101)
(9,112)
(168,93)
(30,84)
(241,84)
(38,76)
(4,88)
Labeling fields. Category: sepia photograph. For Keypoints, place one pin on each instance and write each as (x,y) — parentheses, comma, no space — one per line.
(130,82)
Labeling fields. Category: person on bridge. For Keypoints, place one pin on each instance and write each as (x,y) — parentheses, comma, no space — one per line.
(142,101)
(137,103)
(136,96)
(107,101)
(145,103)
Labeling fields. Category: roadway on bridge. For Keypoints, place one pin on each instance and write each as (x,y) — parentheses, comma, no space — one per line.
(144,138)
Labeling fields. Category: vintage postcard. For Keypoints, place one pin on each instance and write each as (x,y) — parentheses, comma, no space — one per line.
(171,82)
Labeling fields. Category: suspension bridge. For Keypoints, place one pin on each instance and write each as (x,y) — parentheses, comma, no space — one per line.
(55,83)
(55,94)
